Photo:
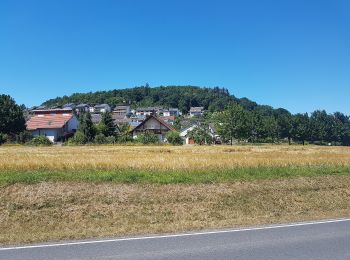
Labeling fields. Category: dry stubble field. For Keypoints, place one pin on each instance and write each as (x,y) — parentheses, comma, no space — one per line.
(55,193)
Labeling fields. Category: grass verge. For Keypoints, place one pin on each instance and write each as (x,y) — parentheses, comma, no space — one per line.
(50,211)
(172,177)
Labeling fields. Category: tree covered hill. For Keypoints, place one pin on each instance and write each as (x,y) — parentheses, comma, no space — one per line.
(183,97)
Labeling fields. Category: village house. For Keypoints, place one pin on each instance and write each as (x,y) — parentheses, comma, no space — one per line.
(171,112)
(101,108)
(147,111)
(168,119)
(184,133)
(55,124)
(69,106)
(122,110)
(82,108)
(196,111)
(153,125)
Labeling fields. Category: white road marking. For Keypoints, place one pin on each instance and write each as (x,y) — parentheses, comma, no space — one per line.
(177,235)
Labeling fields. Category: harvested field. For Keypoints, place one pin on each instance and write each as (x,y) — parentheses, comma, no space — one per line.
(158,158)
(55,193)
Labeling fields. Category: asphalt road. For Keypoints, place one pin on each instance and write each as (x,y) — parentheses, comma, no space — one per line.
(312,240)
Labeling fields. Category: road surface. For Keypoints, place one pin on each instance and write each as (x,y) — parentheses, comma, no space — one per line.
(309,240)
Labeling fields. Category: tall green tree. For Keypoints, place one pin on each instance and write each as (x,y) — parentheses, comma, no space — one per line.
(12,120)
(108,128)
(233,123)
(284,123)
(124,133)
(301,127)
(318,126)
(265,127)
(86,127)
(341,128)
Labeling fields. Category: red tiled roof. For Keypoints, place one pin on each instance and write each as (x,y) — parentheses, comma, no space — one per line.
(48,121)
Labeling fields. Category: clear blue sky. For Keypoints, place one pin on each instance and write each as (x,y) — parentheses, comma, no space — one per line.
(285,53)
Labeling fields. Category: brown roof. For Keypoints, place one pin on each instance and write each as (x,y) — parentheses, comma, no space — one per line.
(48,121)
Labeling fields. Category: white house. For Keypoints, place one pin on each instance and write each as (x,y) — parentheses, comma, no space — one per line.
(55,124)
(102,108)
(147,111)
(184,133)
(171,112)
(81,108)
(154,125)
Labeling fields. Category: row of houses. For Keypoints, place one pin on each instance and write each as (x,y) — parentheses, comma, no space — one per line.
(61,123)
(124,114)
(123,110)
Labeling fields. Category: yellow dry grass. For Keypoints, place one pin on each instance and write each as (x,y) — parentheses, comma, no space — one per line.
(167,157)
(55,211)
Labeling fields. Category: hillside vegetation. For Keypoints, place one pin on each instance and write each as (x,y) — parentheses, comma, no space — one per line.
(182,97)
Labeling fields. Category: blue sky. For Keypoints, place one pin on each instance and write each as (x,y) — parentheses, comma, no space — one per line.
(293,54)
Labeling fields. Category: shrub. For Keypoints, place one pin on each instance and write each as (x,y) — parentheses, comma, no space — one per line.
(79,138)
(174,138)
(24,137)
(200,136)
(100,139)
(147,138)
(40,140)
(3,138)
(111,140)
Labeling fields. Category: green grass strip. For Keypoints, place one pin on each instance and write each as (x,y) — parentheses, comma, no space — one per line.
(171,177)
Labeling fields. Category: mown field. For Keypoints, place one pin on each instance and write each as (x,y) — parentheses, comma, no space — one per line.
(55,193)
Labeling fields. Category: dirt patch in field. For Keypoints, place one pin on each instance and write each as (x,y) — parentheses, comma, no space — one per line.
(56,211)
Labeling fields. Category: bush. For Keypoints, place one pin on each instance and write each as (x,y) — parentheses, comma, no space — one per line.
(111,140)
(147,138)
(79,138)
(40,140)
(174,138)
(125,139)
(100,139)
(3,138)
(24,137)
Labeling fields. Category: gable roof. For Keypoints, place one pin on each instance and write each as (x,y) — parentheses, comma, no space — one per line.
(48,121)
(184,131)
(171,128)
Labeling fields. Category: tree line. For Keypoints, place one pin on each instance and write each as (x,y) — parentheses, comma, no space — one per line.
(241,120)
(274,125)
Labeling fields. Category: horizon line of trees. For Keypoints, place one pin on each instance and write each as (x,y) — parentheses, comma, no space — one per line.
(267,125)
(235,122)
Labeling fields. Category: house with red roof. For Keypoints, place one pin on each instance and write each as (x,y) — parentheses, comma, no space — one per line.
(154,125)
(55,124)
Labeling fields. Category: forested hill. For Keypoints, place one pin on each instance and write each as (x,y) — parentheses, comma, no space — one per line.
(183,97)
